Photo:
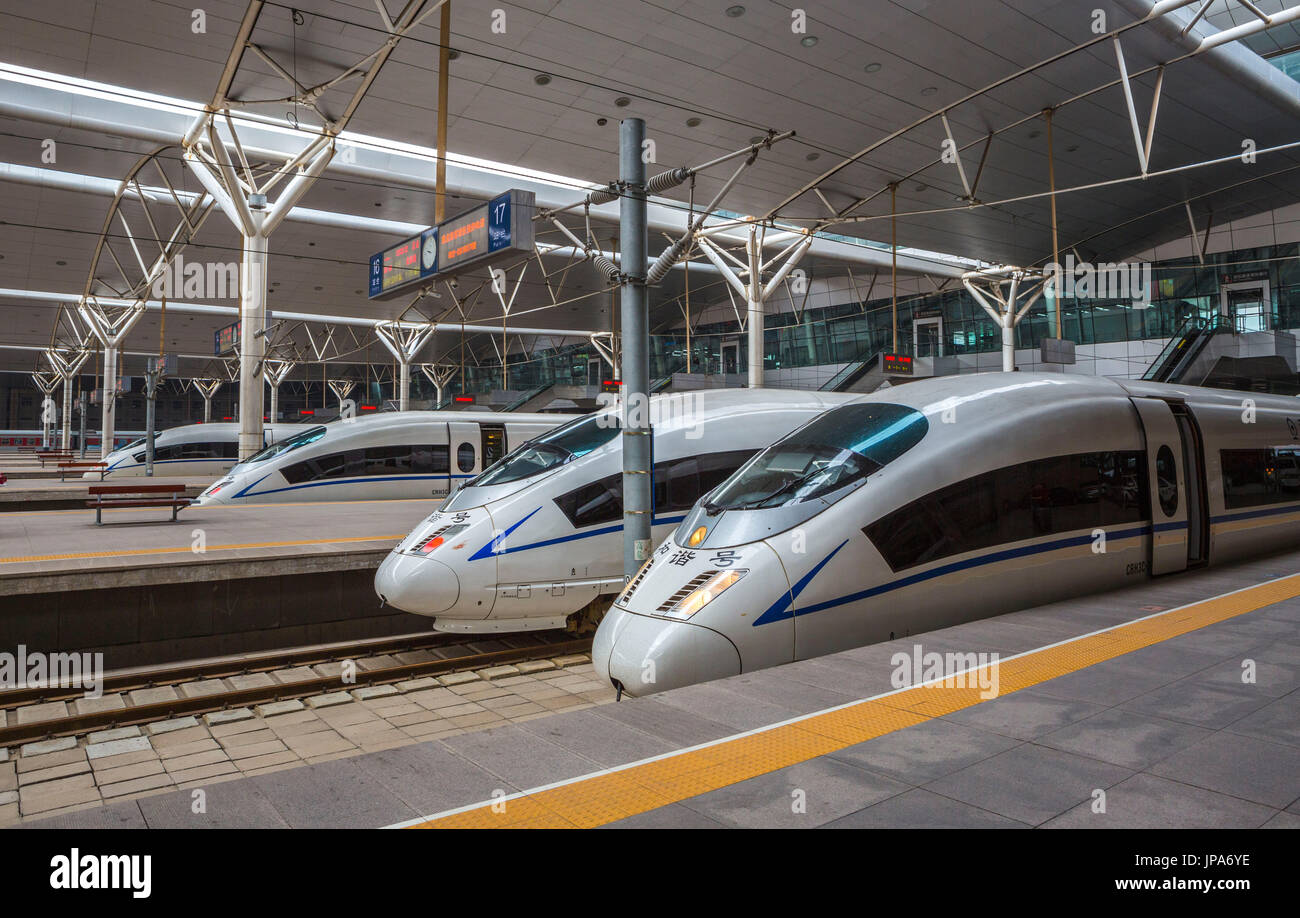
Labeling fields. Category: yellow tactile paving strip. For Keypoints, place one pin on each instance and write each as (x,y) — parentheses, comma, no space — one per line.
(605,797)
(183,549)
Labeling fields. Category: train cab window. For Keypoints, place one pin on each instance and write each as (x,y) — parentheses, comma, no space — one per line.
(835,449)
(598,502)
(1013,504)
(679,483)
(1167,481)
(555,447)
(287,444)
(465,457)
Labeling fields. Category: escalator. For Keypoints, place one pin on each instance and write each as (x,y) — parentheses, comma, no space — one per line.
(1180,355)
(856,376)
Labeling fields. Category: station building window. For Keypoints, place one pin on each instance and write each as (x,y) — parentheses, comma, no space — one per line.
(1026,501)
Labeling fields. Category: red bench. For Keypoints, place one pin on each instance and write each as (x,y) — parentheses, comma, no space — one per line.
(114,496)
(66,467)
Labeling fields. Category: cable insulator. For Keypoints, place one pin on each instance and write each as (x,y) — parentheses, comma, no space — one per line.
(665,180)
(603,195)
(664,263)
(606,267)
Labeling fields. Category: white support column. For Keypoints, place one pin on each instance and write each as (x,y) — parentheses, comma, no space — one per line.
(110,332)
(67,364)
(207,388)
(276,369)
(754,309)
(47,383)
(252,343)
(341,388)
(404,340)
(439,375)
(1007,312)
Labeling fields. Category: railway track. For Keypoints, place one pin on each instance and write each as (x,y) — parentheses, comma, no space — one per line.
(454,654)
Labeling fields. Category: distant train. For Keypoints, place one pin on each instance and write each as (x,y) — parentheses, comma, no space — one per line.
(536,541)
(11,439)
(197,450)
(409,454)
(948,500)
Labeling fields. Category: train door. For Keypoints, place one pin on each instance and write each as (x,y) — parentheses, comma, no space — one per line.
(1175,473)
(494,442)
(462,448)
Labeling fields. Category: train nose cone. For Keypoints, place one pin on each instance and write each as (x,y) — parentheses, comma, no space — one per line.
(419,585)
(646,655)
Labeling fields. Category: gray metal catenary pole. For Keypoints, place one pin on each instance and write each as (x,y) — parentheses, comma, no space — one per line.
(635,357)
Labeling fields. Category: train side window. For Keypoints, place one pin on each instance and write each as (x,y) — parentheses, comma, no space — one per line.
(1167,481)
(1255,477)
(1012,504)
(465,457)
(229,449)
(598,502)
(429,460)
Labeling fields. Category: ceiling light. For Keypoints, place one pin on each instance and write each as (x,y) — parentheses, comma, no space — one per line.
(60,263)
(873,67)
(808,41)
(1033,134)
(693,122)
(541,79)
(452,54)
(929,90)
(921,187)
(735,12)
(1071,148)
(812,156)
(622,101)
(602,121)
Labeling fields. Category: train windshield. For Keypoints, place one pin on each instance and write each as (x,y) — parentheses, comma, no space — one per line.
(556,447)
(288,444)
(839,447)
(132,445)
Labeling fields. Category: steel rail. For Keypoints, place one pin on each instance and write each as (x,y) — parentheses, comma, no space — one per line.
(165,710)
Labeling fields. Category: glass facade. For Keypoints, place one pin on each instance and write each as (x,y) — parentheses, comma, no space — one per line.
(950,321)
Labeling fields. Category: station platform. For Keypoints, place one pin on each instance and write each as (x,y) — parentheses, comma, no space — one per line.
(146,589)
(1171,703)
(42,490)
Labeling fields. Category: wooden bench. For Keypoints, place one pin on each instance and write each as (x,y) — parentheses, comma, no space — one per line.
(113,496)
(66,467)
(54,455)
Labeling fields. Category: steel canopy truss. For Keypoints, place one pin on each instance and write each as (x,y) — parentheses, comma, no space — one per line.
(958,155)
(242,189)
(404,340)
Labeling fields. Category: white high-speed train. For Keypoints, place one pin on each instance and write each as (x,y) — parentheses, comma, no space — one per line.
(193,449)
(390,456)
(537,539)
(949,500)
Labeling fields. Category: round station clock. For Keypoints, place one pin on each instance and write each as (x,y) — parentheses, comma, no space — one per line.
(429,253)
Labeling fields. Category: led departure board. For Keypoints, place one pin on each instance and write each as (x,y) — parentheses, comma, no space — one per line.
(500,227)
(899,364)
(225,340)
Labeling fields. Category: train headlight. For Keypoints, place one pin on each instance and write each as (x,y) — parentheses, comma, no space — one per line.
(697,537)
(700,597)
